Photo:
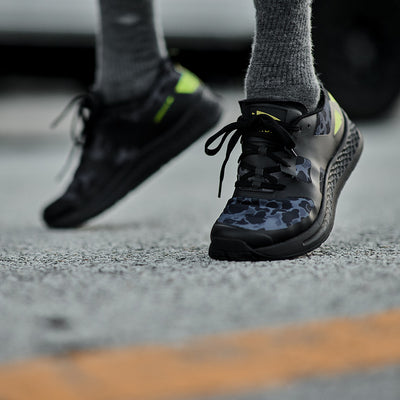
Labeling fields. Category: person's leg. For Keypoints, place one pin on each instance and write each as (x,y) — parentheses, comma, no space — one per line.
(129,49)
(281,66)
(141,113)
(298,146)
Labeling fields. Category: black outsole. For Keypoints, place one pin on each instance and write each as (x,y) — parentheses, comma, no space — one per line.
(188,130)
(338,171)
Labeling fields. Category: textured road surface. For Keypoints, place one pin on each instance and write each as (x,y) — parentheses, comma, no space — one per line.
(141,274)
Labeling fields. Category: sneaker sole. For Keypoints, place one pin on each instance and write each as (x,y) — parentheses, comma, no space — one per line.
(194,124)
(339,170)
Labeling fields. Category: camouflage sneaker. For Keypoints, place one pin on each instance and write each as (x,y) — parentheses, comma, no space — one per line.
(291,171)
(124,144)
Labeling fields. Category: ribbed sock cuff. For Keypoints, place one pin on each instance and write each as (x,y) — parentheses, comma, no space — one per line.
(281,66)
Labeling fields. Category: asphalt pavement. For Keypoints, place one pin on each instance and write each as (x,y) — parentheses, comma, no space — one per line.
(140,273)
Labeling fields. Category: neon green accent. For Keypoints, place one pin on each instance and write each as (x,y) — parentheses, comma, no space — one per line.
(337,114)
(332,98)
(164,109)
(338,121)
(188,83)
(264,113)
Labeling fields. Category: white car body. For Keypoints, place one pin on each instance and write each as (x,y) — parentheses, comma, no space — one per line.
(74,21)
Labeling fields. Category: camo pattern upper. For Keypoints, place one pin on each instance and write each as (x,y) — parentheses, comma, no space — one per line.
(303,169)
(324,120)
(267,215)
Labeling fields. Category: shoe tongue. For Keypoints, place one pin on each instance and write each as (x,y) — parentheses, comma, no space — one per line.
(285,112)
(281,112)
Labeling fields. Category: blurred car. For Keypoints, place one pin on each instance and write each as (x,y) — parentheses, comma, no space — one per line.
(357,49)
(356,43)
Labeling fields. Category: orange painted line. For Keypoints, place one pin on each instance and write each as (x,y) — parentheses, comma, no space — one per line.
(220,364)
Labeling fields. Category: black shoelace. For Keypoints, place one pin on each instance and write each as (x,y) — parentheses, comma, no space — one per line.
(86,103)
(86,106)
(275,138)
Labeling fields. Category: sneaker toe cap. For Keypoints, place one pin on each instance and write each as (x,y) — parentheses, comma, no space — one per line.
(262,222)
(56,215)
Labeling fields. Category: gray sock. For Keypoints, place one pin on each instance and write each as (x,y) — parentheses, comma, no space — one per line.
(129,49)
(281,66)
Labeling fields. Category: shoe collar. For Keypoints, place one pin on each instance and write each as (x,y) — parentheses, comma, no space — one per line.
(285,111)
(279,111)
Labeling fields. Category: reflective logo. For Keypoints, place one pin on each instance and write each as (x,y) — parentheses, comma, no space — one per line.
(264,113)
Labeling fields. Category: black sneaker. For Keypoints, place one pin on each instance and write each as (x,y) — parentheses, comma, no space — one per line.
(291,171)
(124,144)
